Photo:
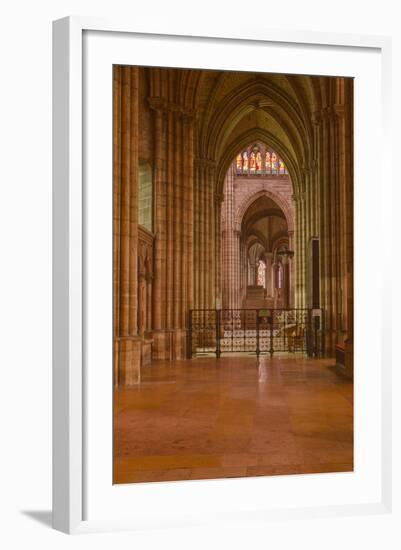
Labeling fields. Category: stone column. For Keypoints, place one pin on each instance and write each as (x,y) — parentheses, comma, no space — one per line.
(157,105)
(189,208)
(298,245)
(142,306)
(286,281)
(117,97)
(236,268)
(269,274)
(230,245)
(149,279)
(275,267)
(344,133)
(127,344)
(291,274)
(253,272)
(218,200)
(173,292)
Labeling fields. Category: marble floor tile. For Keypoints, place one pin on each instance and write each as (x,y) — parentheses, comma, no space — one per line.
(236,417)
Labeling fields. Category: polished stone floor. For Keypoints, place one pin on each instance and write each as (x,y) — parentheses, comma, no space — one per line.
(233,417)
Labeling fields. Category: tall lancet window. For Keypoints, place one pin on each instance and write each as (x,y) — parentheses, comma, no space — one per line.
(280,276)
(274,164)
(268,162)
(252,163)
(258,163)
(244,162)
(262,274)
(239,164)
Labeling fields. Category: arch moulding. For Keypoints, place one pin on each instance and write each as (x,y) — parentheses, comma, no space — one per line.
(251,197)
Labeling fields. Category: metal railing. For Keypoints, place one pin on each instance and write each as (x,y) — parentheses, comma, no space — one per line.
(260,331)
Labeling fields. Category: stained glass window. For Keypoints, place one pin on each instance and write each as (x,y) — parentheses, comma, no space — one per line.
(239,163)
(258,162)
(245,162)
(252,163)
(262,274)
(274,163)
(280,276)
(268,163)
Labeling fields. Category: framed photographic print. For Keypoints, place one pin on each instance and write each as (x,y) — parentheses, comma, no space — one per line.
(214,289)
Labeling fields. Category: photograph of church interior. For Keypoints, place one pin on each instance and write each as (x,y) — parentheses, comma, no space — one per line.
(233,274)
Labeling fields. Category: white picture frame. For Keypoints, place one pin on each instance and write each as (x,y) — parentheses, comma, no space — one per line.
(70,285)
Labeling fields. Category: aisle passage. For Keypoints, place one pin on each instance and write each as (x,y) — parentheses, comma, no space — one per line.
(233,417)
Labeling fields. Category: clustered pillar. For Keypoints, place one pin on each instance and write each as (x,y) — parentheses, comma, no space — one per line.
(173,250)
(324,209)
(206,241)
(127,342)
(231,263)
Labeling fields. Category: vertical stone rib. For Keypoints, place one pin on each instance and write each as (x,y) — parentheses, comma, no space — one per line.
(133,229)
(324,222)
(125,200)
(332,228)
(184,223)
(207,235)
(190,210)
(196,237)
(217,266)
(213,246)
(116,195)
(157,321)
(203,236)
(177,224)
(170,161)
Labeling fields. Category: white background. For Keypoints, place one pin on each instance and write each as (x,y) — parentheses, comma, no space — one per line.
(25,217)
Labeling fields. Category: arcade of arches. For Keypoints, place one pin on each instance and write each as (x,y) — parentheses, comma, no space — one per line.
(232,191)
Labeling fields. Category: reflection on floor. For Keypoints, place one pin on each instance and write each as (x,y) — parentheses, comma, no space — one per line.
(233,417)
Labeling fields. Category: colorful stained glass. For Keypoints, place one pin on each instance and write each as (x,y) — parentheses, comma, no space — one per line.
(258,162)
(274,163)
(239,164)
(262,274)
(252,163)
(245,162)
(268,163)
(280,276)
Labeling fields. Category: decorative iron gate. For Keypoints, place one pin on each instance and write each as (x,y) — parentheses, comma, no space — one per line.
(260,331)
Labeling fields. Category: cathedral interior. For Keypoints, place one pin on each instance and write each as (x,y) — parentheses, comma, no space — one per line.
(233,274)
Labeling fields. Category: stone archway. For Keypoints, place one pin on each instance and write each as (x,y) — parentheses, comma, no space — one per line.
(256,212)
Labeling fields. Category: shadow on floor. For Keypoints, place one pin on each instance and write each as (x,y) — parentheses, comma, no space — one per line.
(41,516)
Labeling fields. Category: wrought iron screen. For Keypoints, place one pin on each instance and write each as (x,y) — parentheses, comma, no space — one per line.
(260,331)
